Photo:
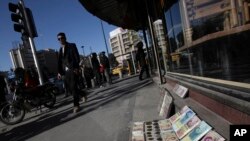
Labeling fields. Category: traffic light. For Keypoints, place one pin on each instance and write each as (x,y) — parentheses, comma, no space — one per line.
(23,20)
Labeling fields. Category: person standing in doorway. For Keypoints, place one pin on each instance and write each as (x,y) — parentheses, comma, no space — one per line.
(140,57)
(68,66)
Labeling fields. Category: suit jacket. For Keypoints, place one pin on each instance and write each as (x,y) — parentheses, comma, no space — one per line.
(70,58)
(140,57)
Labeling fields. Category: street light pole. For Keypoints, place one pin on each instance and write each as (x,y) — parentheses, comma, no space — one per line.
(104,38)
(83,51)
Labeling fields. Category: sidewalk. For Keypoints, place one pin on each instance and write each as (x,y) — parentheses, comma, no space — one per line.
(107,116)
(146,103)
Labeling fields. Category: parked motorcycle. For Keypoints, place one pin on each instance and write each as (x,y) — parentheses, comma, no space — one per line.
(25,99)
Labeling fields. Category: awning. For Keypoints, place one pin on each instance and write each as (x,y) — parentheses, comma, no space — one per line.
(128,14)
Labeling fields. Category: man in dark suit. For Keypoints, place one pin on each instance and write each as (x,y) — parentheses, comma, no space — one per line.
(140,57)
(68,66)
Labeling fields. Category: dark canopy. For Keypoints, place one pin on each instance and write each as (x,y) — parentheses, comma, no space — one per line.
(128,14)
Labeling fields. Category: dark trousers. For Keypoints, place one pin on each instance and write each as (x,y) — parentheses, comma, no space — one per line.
(107,75)
(88,81)
(144,68)
(71,79)
(97,77)
(66,88)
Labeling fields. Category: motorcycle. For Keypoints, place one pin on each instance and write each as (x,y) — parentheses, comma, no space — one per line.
(25,99)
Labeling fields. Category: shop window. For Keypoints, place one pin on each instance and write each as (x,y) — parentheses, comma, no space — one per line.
(219,45)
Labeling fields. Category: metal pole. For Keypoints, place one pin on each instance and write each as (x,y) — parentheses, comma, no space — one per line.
(106,48)
(33,49)
(148,53)
(133,60)
(154,43)
(104,38)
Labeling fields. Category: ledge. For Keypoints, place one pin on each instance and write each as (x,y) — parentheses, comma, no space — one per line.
(219,124)
(234,101)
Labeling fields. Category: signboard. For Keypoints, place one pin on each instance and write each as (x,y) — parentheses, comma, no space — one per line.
(180,90)
(165,104)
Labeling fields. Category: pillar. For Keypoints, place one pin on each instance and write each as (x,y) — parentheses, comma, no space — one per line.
(233,16)
(246,11)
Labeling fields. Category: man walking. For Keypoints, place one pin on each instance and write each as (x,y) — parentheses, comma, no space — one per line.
(140,57)
(68,66)
(96,69)
(104,61)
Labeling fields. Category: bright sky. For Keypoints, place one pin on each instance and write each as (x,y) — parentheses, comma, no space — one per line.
(52,17)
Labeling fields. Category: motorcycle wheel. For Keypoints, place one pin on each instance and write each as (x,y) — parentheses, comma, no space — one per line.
(12,114)
(51,99)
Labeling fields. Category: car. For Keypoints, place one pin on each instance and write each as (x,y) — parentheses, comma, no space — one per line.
(117,70)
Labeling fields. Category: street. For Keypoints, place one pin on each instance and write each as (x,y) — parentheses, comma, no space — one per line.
(106,116)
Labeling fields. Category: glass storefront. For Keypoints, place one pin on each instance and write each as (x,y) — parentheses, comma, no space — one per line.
(213,42)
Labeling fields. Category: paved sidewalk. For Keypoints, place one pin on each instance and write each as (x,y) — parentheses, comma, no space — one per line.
(107,116)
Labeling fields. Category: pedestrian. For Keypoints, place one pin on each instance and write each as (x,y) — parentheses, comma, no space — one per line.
(88,74)
(103,78)
(30,78)
(68,66)
(87,71)
(2,89)
(81,77)
(96,69)
(104,61)
(140,57)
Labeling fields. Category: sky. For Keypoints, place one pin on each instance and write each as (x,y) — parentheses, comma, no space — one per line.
(52,17)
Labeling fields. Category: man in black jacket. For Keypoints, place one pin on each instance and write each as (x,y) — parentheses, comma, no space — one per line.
(104,60)
(140,57)
(68,66)
(96,68)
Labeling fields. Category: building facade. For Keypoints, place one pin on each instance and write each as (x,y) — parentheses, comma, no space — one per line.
(22,57)
(209,39)
(122,43)
(48,60)
(209,54)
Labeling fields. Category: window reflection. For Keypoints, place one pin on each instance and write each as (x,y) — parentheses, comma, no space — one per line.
(216,42)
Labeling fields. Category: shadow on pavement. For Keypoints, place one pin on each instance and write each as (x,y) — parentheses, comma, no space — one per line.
(48,121)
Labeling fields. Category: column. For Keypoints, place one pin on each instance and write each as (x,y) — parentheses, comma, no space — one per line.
(246,11)
(227,20)
(241,13)
(188,31)
(233,16)
(188,34)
